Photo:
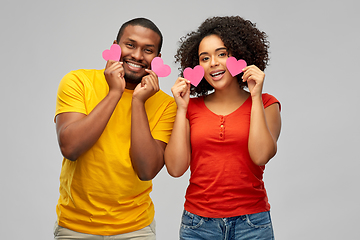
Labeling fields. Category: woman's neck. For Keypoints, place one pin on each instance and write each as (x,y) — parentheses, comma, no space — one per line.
(225,102)
(232,94)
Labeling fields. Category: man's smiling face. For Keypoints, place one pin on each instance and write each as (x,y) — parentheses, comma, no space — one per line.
(139,46)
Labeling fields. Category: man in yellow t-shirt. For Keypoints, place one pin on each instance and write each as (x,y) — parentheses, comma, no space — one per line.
(113,126)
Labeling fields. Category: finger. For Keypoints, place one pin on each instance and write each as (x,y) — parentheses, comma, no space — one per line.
(251,68)
(253,73)
(183,88)
(113,70)
(177,88)
(183,80)
(180,92)
(185,91)
(151,72)
(113,66)
(245,76)
(186,81)
(110,63)
(149,82)
(252,77)
(179,79)
(153,81)
(144,82)
(247,68)
(122,71)
(179,84)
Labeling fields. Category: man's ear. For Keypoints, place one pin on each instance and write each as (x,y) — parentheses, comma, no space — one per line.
(159,55)
(115,42)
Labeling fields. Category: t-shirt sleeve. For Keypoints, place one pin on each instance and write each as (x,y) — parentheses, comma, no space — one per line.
(162,130)
(70,95)
(269,100)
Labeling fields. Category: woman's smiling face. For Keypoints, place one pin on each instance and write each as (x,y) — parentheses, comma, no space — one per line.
(212,57)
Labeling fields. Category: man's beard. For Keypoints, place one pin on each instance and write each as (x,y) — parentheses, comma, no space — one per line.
(132,78)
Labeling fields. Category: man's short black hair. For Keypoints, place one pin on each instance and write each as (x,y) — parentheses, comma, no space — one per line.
(143,22)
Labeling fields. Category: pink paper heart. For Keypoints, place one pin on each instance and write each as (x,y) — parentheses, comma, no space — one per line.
(194,75)
(113,54)
(161,69)
(235,66)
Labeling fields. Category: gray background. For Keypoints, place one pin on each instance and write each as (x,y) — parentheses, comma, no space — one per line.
(312,182)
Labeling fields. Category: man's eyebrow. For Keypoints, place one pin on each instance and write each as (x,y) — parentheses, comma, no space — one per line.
(147,45)
(150,45)
(218,49)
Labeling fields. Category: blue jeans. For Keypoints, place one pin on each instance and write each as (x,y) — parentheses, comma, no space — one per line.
(252,226)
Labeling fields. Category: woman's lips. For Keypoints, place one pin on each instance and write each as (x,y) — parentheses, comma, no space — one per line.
(217,75)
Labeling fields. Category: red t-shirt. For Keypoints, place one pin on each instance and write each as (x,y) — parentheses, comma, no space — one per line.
(224,181)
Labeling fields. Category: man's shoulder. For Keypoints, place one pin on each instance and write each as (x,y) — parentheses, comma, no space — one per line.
(82,77)
(161,100)
(86,72)
(162,96)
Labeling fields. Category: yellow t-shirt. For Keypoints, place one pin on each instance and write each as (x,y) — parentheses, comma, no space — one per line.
(99,192)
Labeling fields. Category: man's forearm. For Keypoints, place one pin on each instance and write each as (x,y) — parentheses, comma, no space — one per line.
(78,133)
(147,154)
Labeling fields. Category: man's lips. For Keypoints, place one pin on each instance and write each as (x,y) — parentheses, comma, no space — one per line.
(135,66)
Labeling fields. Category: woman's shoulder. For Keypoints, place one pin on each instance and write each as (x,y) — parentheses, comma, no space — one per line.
(269,99)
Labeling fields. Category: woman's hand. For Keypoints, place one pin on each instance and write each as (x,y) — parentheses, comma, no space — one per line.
(181,92)
(255,80)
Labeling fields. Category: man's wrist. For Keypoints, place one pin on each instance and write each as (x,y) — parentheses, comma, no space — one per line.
(137,101)
(115,94)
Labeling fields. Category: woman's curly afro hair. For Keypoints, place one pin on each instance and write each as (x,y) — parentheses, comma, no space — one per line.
(241,38)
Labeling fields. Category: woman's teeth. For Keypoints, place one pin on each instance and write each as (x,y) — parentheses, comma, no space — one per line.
(217,74)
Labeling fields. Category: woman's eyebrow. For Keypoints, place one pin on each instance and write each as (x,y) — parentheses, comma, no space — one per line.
(216,50)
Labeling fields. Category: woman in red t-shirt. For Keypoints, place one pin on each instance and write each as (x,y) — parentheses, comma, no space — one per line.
(226,133)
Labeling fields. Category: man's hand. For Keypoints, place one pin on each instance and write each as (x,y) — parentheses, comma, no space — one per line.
(148,87)
(114,75)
